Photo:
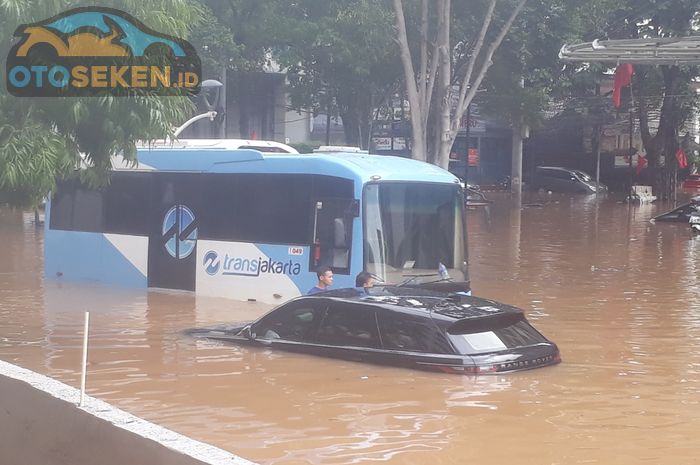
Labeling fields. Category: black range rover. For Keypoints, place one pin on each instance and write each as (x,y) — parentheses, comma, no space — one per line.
(403,327)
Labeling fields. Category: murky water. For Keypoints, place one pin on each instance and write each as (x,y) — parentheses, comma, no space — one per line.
(618,294)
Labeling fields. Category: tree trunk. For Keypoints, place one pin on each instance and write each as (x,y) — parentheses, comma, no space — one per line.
(445,75)
(665,141)
(351,128)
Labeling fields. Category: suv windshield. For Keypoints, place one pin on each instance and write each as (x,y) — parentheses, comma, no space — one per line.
(412,228)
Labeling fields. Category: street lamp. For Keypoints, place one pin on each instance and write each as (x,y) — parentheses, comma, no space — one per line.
(211,94)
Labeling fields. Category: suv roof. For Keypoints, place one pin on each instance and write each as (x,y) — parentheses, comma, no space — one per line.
(440,305)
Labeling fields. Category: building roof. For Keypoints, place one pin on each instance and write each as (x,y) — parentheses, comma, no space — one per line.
(671,50)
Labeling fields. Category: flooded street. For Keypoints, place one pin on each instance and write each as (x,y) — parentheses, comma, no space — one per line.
(618,294)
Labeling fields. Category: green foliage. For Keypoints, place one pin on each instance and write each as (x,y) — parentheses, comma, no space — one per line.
(305,148)
(340,55)
(41,138)
(531,52)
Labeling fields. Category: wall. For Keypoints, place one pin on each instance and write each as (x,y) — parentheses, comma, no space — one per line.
(40,423)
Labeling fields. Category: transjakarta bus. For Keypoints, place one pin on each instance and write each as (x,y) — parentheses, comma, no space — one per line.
(242,224)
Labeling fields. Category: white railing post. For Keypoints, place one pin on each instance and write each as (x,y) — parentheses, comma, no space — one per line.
(85,352)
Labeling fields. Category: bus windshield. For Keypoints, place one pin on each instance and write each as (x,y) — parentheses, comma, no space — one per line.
(413,228)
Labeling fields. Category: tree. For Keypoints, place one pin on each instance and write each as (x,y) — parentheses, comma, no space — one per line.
(450,70)
(41,139)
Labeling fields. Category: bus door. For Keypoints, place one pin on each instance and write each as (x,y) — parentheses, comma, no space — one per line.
(172,244)
(332,233)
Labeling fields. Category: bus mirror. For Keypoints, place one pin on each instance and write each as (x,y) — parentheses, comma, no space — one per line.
(247,333)
(339,239)
(355,208)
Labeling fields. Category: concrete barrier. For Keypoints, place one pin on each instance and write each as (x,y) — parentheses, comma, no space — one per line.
(40,423)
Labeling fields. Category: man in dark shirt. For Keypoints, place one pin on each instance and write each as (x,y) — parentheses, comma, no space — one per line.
(325,280)
(364,280)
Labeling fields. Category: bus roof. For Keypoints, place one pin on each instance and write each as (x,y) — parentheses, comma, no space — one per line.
(265,146)
(360,166)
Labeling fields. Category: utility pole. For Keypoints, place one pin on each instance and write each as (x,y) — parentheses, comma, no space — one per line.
(516,170)
(223,106)
(599,137)
(469,145)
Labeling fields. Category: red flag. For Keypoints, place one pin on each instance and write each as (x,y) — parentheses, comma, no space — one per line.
(641,163)
(681,159)
(623,77)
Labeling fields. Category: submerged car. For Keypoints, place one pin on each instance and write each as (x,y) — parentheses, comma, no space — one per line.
(558,179)
(682,213)
(400,326)
(686,213)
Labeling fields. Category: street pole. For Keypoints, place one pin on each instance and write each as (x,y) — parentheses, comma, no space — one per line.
(328,120)
(516,170)
(599,139)
(222,104)
(469,145)
(629,191)
(599,129)
(517,160)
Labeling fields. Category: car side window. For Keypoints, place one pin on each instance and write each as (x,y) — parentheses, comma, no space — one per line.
(560,174)
(293,322)
(349,325)
(413,334)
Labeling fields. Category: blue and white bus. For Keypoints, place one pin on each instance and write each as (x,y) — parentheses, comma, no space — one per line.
(248,225)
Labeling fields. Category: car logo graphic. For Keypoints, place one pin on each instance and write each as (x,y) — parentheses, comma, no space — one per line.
(94,50)
(211,262)
(101,32)
(179,231)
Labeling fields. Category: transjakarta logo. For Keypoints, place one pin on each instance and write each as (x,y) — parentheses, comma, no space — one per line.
(237,266)
(211,262)
(179,231)
(99,51)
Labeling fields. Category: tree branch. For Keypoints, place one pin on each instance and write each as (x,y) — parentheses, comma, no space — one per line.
(432,74)
(462,106)
(475,54)
(422,78)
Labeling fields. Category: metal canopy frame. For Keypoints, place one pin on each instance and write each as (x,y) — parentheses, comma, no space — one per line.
(664,51)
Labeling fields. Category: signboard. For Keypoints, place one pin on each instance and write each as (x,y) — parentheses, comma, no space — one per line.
(382,143)
(475,125)
(399,143)
(623,161)
(473,157)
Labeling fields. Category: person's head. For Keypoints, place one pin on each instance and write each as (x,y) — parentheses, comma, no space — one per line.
(364,279)
(325,276)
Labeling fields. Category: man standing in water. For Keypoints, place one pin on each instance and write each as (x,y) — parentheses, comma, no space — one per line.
(325,280)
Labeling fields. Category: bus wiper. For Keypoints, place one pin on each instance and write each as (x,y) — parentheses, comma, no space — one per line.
(416,276)
(440,280)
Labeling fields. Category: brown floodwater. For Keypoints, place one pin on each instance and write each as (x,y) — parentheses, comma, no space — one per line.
(618,294)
